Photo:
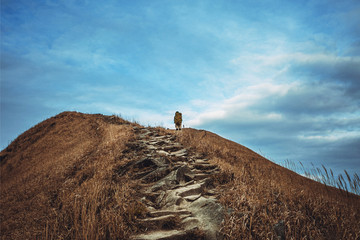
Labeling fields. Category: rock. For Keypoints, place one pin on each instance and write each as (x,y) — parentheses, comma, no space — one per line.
(156,174)
(168,212)
(162,235)
(160,137)
(162,152)
(162,222)
(205,166)
(151,147)
(161,143)
(200,176)
(210,192)
(142,174)
(201,161)
(192,197)
(180,176)
(210,214)
(190,223)
(124,168)
(145,132)
(183,174)
(145,162)
(193,189)
(180,153)
(172,148)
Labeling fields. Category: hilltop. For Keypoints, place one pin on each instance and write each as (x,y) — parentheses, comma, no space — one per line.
(90,176)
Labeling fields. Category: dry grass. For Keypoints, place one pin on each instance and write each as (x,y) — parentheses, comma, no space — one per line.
(260,194)
(326,176)
(58,180)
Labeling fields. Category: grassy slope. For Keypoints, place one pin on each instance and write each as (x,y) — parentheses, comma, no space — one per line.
(262,194)
(59,180)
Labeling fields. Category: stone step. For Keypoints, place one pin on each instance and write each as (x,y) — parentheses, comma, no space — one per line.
(142,174)
(162,152)
(156,174)
(172,148)
(172,138)
(157,142)
(205,166)
(159,213)
(180,153)
(161,143)
(201,176)
(192,197)
(146,162)
(183,184)
(162,235)
(183,174)
(160,137)
(161,222)
(151,147)
(181,159)
(198,161)
(193,189)
(191,186)
(144,133)
(190,223)
(202,163)
(210,192)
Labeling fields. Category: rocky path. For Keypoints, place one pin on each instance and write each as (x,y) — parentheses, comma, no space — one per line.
(176,188)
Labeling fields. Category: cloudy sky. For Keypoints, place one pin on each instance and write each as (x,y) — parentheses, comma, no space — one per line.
(280,77)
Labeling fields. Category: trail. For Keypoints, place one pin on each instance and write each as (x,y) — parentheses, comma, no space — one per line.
(177,190)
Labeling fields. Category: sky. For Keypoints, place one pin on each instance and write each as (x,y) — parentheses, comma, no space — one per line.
(279,77)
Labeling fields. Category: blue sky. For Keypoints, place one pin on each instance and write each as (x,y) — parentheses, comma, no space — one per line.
(280,77)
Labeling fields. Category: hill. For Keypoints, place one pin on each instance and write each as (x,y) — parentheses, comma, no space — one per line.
(83,176)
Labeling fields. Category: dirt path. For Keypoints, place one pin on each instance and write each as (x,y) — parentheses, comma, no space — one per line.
(177,190)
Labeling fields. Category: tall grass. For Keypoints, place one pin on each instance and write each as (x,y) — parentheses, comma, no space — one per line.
(262,195)
(102,212)
(344,181)
(59,180)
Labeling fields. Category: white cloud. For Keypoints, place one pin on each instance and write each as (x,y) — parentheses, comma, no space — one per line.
(241,104)
(331,137)
(264,60)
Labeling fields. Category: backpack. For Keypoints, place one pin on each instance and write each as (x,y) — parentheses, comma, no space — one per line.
(178,119)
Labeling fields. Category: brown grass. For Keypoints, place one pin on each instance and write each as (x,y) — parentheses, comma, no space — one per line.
(58,180)
(61,180)
(326,176)
(259,194)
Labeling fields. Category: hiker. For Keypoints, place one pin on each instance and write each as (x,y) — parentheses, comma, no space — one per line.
(178,120)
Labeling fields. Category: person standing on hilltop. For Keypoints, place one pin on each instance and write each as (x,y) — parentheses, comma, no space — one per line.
(178,120)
